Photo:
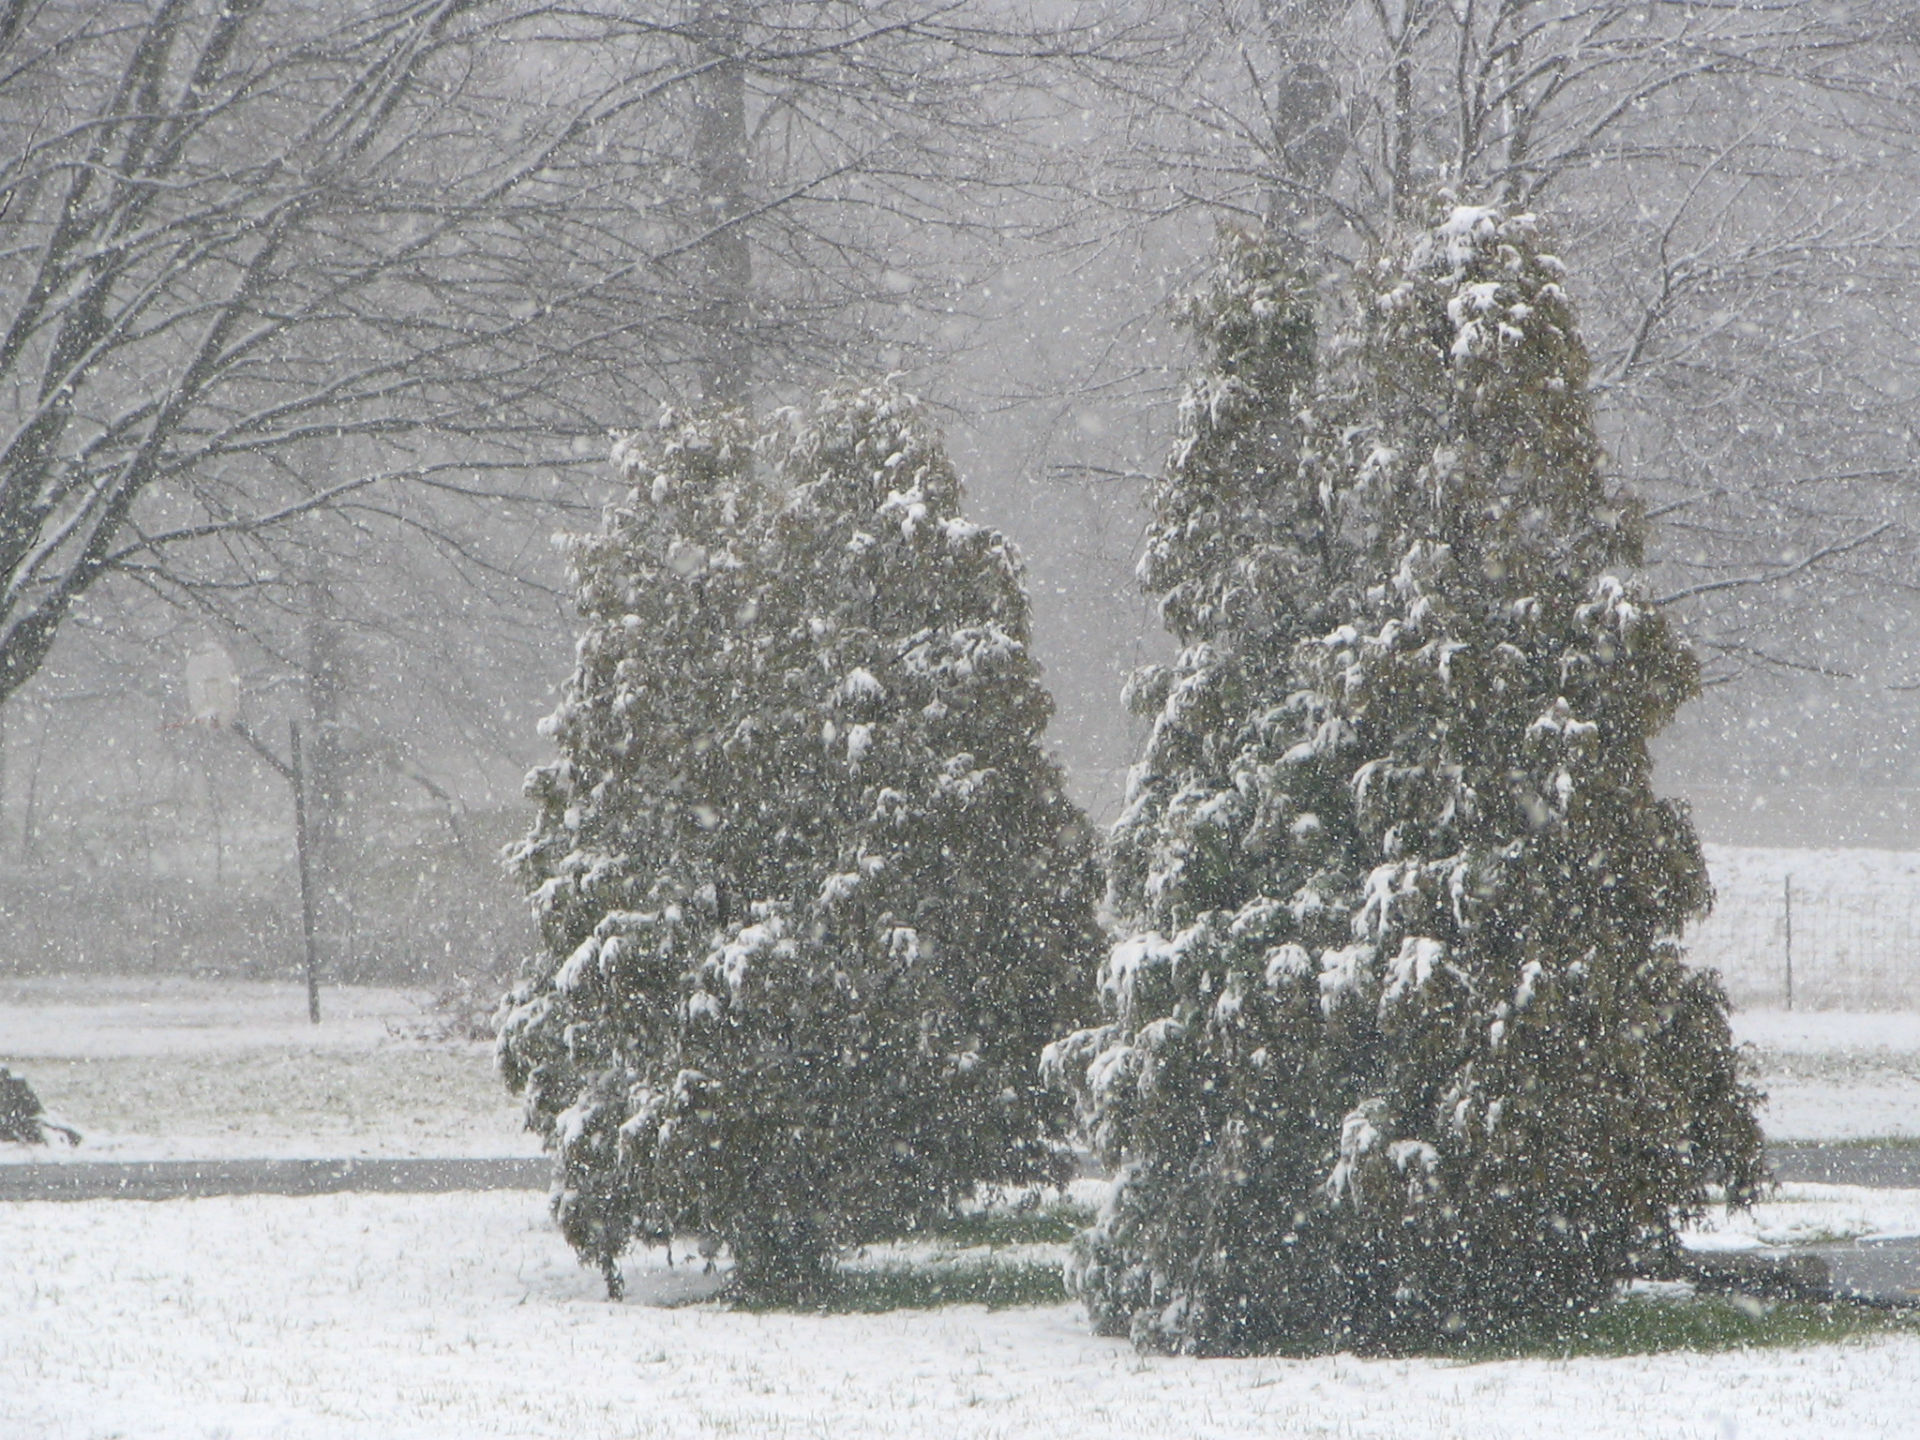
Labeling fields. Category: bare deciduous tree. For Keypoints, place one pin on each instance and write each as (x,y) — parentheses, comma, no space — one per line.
(1736,181)
(261,257)
(313,319)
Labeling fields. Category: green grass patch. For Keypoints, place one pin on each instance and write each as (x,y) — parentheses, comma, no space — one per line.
(1051,1224)
(996,1285)
(978,1277)
(1644,1325)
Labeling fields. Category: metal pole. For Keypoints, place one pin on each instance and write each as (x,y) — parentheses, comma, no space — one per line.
(299,768)
(1787,894)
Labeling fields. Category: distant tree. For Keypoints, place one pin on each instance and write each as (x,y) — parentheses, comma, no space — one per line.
(1468,1082)
(813,898)
(390,258)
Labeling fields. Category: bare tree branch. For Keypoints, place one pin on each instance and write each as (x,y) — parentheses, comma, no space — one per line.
(1779,573)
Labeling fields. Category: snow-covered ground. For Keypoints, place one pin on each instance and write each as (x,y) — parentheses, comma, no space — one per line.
(1835,1075)
(1805,1214)
(119,1016)
(170,1068)
(1854,938)
(162,1068)
(464,1316)
(1893,1033)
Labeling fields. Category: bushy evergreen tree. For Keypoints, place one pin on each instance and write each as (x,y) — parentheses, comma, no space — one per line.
(1191,1091)
(1414,1053)
(812,892)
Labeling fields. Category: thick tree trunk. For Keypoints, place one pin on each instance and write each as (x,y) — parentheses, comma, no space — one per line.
(1309,134)
(724,273)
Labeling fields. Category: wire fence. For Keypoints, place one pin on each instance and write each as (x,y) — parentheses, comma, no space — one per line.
(1813,930)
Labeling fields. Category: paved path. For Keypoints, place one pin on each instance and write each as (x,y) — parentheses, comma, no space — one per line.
(1886,1270)
(1885,1166)
(183,1179)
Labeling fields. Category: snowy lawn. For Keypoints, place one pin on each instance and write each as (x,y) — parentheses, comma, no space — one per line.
(1855,929)
(1806,1214)
(86,1017)
(465,1316)
(1833,1075)
(154,1068)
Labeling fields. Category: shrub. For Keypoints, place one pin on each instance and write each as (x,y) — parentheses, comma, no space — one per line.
(812,895)
(1400,1043)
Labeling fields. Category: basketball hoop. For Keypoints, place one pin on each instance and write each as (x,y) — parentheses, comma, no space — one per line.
(213,687)
(213,700)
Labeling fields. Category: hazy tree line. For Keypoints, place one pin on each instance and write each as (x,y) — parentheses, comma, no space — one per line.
(316,320)
(319,318)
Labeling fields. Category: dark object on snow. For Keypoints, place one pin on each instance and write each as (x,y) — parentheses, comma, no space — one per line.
(22,1118)
(1763,1277)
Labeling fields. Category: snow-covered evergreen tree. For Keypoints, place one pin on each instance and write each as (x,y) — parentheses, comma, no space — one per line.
(1199,1091)
(1238,566)
(814,897)
(1430,1063)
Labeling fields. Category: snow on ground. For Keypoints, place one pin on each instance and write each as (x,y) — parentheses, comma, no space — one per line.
(1822,1032)
(421,1317)
(116,1016)
(383,1139)
(464,1315)
(1834,1075)
(1805,1214)
(157,1068)
(164,1068)
(1855,926)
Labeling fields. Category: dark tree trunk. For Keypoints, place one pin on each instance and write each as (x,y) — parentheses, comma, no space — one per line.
(328,782)
(724,259)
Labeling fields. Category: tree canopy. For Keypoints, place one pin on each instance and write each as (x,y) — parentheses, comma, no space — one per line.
(812,894)
(1400,1041)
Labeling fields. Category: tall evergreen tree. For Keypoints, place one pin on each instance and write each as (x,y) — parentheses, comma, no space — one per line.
(1438,1067)
(813,894)
(1200,1090)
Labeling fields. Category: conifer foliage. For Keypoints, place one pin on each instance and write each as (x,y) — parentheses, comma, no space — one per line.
(23,1120)
(813,897)
(1399,1044)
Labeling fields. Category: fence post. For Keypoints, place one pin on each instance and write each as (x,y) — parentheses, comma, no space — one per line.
(1787,894)
(302,852)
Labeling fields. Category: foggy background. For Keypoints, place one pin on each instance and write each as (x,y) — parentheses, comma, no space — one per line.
(442,298)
